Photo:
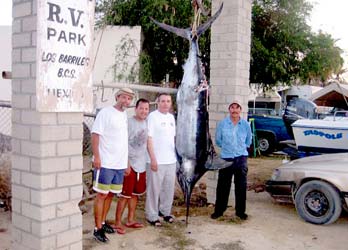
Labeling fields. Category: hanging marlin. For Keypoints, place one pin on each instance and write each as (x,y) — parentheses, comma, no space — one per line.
(194,147)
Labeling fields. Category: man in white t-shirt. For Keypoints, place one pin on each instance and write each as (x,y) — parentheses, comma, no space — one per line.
(161,166)
(110,159)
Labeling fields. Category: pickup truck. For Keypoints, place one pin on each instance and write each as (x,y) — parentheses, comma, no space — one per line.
(270,130)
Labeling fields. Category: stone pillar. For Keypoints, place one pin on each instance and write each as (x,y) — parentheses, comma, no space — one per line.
(229,67)
(47,153)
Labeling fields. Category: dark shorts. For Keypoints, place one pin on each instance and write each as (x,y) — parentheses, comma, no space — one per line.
(133,184)
(108,180)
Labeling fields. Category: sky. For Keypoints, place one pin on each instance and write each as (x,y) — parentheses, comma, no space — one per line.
(331,16)
(6,12)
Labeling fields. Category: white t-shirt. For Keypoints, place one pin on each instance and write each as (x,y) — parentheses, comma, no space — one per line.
(111,126)
(161,127)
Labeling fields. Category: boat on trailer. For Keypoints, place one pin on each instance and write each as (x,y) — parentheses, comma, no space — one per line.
(320,124)
(329,135)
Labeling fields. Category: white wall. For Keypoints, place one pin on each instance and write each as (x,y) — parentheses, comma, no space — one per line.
(108,40)
(5,61)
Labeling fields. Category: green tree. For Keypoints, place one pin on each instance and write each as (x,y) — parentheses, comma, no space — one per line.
(163,52)
(322,60)
(284,49)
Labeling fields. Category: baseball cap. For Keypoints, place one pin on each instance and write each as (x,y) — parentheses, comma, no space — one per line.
(126,91)
(235,102)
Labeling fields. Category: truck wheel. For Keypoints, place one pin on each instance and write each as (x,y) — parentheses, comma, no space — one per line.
(266,144)
(318,202)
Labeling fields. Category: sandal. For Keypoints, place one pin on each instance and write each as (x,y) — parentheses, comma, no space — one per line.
(119,229)
(135,225)
(155,223)
(168,219)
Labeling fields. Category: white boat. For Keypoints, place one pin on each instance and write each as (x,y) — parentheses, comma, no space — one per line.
(329,135)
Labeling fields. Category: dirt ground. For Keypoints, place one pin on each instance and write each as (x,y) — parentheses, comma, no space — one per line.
(270,225)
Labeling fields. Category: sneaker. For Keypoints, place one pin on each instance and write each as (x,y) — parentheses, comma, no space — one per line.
(107,228)
(100,235)
(242,216)
(215,215)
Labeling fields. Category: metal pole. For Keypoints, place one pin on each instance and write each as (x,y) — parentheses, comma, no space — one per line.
(6,74)
(139,87)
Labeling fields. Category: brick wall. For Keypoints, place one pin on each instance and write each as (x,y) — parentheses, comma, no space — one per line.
(229,67)
(47,159)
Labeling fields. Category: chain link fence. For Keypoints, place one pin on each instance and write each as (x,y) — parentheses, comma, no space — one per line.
(5,119)
(5,127)
(88,120)
(5,156)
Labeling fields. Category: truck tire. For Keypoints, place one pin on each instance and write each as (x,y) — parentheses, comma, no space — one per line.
(318,202)
(266,143)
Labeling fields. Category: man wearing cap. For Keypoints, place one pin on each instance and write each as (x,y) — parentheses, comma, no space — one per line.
(110,158)
(233,136)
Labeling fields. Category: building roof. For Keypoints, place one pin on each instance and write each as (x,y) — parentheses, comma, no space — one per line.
(333,95)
